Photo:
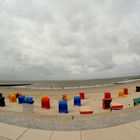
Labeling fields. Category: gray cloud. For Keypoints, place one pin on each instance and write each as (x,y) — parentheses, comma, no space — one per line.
(69,39)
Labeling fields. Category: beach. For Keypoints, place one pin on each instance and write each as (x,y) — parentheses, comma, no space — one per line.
(51,119)
(93,98)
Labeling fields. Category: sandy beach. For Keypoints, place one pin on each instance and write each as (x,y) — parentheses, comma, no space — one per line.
(93,98)
(50,119)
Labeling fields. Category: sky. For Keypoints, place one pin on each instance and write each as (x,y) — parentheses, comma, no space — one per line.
(69,39)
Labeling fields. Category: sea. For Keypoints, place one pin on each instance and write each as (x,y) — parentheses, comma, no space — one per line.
(72,84)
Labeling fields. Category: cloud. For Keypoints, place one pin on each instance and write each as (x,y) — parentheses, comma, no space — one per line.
(69,39)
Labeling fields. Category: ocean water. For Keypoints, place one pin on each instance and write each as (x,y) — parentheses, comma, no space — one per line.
(67,84)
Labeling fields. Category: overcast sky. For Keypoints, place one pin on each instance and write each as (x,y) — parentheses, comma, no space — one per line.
(69,39)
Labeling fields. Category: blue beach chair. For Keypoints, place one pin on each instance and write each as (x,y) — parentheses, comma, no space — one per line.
(77,101)
(28,100)
(21,99)
(63,107)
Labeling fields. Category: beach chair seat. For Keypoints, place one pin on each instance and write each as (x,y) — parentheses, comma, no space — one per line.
(21,99)
(82,95)
(106,103)
(77,101)
(115,106)
(2,101)
(28,100)
(62,107)
(86,110)
(137,88)
(45,102)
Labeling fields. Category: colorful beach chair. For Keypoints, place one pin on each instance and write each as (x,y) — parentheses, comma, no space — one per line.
(121,93)
(125,90)
(21,99)
(77,101)
(136,101)
(12,97)
(62,107)
(28,100)
(2,100)
(106,100)
(82,95)
(45,102)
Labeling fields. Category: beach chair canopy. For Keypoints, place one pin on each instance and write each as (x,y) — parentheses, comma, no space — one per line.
(107,95)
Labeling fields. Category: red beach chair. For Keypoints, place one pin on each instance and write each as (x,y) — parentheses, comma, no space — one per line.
(125,90)
(45,102)
(106,100)
(82,95)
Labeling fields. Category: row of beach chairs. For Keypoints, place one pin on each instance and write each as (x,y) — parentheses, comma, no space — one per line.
(107,102)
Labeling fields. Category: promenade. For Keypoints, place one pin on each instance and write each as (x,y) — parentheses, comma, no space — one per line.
(129,131)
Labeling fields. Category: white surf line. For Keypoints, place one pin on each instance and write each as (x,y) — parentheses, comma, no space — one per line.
(128,81)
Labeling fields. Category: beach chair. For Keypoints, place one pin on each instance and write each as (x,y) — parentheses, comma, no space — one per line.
(28,100)
(115,106)
(21,99)
(63,107)
(45,102)
(77,101)
(137,88)
(121,93)
(12,97)
(136,101)
(2,100)
(82,95)
(106,100)
(86,110)
(125,90)
(65,97)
